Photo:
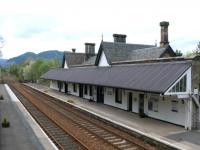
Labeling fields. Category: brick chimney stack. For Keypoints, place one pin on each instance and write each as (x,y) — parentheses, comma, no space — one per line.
(119,38)
(89,50)
(164,33)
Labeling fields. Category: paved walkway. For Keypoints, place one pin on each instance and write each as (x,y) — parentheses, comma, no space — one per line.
(159,130)
(23,133)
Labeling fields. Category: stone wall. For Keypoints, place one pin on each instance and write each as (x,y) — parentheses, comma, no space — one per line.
(195,85)
(195,73)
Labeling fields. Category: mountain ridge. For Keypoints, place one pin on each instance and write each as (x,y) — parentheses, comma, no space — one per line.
(49,54)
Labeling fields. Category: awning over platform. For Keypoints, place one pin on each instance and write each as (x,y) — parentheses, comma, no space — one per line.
(150,77)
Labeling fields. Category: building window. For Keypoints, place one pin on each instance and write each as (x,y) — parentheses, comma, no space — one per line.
(118,96)
(174,106)
(91,92)
(74,87)
(180,86)
(153,104)
(109,91)
(85,90)
(150,105)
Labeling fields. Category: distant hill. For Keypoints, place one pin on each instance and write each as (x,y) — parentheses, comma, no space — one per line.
(51,54)
(21,58)
(3,62)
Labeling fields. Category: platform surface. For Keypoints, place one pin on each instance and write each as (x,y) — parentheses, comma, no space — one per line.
(23,133)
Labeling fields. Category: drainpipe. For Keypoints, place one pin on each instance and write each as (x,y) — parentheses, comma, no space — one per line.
(195,98)
(188,108)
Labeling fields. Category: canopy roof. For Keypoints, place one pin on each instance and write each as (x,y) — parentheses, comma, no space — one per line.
(151,77)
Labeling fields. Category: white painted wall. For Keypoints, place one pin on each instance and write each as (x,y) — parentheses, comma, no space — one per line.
(65,65)
(165,112)
(109,98)
(63,87)
(54,85)
(94,88)
(103,61)
(71,90)
(135,102)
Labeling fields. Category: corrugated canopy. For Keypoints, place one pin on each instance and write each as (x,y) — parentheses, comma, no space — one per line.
(152,77)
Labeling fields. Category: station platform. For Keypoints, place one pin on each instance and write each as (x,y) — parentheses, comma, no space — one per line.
(170,134)
(24,133)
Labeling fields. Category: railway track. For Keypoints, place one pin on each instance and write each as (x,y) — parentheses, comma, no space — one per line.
(88,131)
(60,138)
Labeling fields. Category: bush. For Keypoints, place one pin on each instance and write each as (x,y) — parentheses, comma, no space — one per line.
(1,97)
(5,123)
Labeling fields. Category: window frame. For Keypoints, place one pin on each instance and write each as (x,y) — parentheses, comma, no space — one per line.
(174,106)
(153,104)
(180,86)
(150,105)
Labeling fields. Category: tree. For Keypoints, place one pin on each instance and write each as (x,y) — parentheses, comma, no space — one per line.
(2,42)
(197,50)
(32,70)
(178,53)
(14,70)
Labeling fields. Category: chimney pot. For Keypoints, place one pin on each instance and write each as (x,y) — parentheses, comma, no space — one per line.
(164,23)
(73,50)
(164,33)
(119,38)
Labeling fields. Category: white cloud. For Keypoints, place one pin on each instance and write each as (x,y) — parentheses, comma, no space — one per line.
(35,25)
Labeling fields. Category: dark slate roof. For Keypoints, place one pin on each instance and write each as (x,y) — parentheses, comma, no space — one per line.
(116,51)
(152,77)
(147,53)
(90,61)
(73,58)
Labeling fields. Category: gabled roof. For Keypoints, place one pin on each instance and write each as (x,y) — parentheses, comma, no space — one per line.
(151,77)
(90,61)
(150,53)
(73,58)
(115,51)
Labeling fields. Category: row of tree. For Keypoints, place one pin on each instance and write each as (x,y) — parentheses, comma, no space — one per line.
(190,53)
(31,70)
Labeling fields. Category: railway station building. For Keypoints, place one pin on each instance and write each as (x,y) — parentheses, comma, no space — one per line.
(145,79)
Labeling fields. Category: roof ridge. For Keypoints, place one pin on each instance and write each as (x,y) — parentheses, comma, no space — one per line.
(157,60)
(127,43)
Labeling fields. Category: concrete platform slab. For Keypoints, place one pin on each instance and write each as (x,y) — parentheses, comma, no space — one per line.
(164,132)
(24,133)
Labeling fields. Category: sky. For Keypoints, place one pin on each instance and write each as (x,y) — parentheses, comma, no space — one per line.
(40,25)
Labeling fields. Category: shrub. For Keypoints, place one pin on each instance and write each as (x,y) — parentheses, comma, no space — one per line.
(1,97)
(5,123)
